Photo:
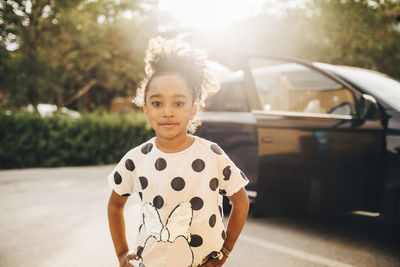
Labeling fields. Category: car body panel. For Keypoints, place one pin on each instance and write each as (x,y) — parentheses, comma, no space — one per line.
(241,146)
(314,157)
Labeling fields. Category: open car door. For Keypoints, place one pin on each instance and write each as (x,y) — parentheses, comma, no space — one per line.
(316,153)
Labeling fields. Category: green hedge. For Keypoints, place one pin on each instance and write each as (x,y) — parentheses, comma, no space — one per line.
(28,140)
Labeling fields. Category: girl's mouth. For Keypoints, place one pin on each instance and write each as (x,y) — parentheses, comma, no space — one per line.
(168,124)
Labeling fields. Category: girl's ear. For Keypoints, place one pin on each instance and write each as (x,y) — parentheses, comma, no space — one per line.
(145,110)
(194,111)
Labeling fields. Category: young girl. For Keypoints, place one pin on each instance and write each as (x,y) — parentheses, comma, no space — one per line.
(179,177)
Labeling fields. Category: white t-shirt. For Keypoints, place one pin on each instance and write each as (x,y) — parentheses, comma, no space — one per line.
(181,197)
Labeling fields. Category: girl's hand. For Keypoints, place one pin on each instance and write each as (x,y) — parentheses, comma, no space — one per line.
(215,262)
(126,257)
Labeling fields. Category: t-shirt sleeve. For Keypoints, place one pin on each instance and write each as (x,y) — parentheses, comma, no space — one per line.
(121,179)
(231,178)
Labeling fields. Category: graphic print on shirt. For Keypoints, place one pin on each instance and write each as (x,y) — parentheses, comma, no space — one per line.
(177,225)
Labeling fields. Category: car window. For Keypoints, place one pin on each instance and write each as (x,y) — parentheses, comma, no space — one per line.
(379,84)
(293,87)
(230,97)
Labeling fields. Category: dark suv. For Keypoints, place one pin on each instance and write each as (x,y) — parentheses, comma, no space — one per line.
(310,136)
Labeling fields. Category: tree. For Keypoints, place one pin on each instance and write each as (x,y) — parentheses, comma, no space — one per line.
(90,50)
(357,33)
(348,32)
(24,24)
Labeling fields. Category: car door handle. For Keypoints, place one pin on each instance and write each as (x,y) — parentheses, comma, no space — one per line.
(266,139)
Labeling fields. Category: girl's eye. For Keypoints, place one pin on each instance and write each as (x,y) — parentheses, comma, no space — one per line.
(156,103)
(179,103)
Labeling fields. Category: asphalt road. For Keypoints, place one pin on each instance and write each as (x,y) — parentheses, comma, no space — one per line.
(57,217)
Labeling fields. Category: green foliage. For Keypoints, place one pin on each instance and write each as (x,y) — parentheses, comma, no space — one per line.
(346,32)
(27,140)
(74,53)
(356,33)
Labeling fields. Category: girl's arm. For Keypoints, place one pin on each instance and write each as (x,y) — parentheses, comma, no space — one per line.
(116,222)
(240,209)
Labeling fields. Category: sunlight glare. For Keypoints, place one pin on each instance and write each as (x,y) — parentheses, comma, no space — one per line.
(210,14)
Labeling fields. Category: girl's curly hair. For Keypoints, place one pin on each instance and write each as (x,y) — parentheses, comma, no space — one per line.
(175,56)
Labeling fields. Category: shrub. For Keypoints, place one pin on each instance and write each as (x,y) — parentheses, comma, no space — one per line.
(28,140)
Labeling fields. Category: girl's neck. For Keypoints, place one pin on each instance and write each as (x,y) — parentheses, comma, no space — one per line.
(174,145)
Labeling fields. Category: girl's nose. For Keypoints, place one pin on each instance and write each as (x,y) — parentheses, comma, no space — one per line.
(167,111)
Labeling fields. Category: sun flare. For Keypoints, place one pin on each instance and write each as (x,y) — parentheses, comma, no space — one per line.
(210,14)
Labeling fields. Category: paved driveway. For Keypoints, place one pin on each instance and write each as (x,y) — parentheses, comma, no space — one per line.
(57,217)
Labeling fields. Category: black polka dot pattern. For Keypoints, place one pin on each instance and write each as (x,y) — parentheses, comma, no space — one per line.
(197,203)
(198,165)
(117,178)
(160,164)
(129,165)
(220,210)
(223,235)
(126,195)
(244,176)
(214,184)
(143,182)
(216,149)
(178,183)
(158,202)
(147,148)
(212,220)
(227,173)
(222,192)
(195,241)
(141,196)
(139,251)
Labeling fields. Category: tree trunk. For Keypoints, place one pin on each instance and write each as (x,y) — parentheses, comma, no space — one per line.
(81,92)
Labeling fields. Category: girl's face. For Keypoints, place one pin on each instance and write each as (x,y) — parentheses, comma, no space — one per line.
(169,106)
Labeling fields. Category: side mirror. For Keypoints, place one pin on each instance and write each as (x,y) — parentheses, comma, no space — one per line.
(342,109)
(369,108)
